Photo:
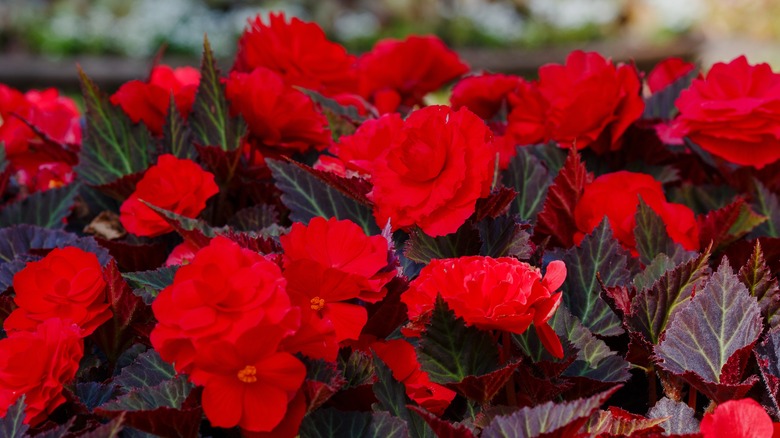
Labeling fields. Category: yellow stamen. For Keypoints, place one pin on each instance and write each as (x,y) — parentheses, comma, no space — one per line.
(248,374)
(317,303)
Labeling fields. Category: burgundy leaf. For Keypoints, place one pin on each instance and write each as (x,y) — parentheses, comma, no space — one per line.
(496,204)
(557,216)
(442,428)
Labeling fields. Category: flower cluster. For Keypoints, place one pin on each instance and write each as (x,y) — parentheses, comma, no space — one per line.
(303,246)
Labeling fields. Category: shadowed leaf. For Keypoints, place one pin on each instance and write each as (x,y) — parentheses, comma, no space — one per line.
(530,179)
(11,425)
(210,120)
(651,236)
(392,398)
(113,146)
(148,284)
(47,209)
(147,370)
(423,248)
(760,282)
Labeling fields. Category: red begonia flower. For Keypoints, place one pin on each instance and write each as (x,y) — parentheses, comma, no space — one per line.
(358,151)
(484,95)
(68,283)
(173,184)
(588,102)
(615,195)
(400,73)
(491,293)
(434,171)
(148,102)
(327,263)
(37,364)
(248,382)
(666,72)
(400,357)
(299,52)
(277,115)
(222,293)
(743,418)
(734,112)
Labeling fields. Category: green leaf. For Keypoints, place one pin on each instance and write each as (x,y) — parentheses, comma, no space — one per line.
(47,209)
(449,351)
(169,394)
(654,307)
(210,120)
(598,253)
(720,320)
(766,204)
(680,418)
(761,284)
(423,248)
(504,237)
(530,178)
(651,236)
(307,196)
(12,425)
(148,284)
(391,395)
(565,419)
(332,423)
(177,138)
(147,370)
(113,146)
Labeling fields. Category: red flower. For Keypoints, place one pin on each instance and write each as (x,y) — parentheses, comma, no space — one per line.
(359,150)
(248,382)
(489,293)
(734,112)
(329,262)
(55,116)
(615,195)
(400,357)
(299,52)
(277,115)
(222,293)
(484,95)
(182,254)
(743,418)
(400,73)
(667,72)
(588,102)
(37,364)
(432,175)
(149,102)
(68,283)
(177,185)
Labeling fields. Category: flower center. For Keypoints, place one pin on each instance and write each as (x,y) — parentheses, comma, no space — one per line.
(248,374)
(317,303)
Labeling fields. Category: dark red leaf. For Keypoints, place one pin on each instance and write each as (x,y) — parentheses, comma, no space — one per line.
(355,188)
(727,224)
(557,216)
(496,204)
(136,257)
(483,388)
(442,428)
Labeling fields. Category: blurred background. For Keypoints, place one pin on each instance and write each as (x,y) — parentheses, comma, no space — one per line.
(115,40)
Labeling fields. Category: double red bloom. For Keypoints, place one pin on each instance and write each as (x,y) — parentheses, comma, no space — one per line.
(328,264)
(434,171)
(734,112)
(177,185)
(37,364)
(223,321)
(148,102)
(68,283)
(588,102)
(489,293)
